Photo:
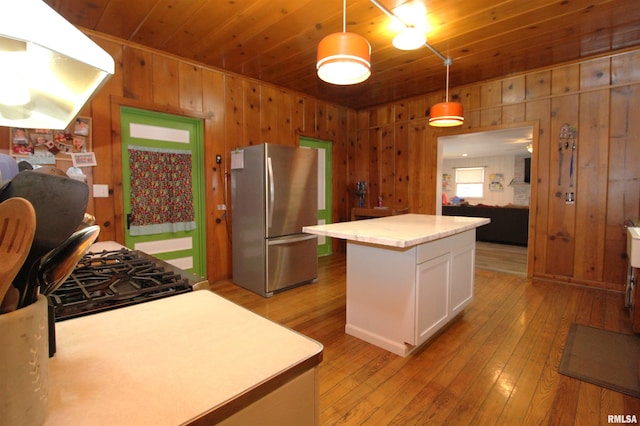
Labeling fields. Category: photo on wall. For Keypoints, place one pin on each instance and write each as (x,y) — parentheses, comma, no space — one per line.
(45,146)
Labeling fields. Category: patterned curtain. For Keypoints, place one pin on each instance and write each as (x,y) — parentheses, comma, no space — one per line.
(161,191)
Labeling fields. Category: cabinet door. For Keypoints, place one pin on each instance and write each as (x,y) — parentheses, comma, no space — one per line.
(432,296)
(462,268)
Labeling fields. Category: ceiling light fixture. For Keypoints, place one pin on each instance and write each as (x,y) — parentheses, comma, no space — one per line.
(443,114)
(446,114)
(410,38)
(410,19)
(49,70)
(344,58)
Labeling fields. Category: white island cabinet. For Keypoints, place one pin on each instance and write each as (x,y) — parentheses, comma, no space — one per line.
(407,276)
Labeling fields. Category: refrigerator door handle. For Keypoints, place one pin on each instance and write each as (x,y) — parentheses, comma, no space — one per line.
(272,191)
(292,239)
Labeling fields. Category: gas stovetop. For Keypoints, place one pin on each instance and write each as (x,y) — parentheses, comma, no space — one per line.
(117,278)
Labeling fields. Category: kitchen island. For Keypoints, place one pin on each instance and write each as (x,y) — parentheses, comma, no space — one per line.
(408,276)
(193,358)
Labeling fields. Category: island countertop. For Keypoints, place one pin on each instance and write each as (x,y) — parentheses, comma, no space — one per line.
(400,231)
(169,361)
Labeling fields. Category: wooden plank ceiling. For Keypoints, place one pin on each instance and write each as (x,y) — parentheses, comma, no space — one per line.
(275,40)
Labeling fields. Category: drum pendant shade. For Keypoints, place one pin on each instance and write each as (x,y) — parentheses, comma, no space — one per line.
(446,114)
(344,58)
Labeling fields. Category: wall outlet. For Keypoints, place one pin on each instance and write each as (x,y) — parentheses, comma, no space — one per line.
(218,159)
(222,206)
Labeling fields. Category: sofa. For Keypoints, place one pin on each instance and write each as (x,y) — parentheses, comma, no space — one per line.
(509,225)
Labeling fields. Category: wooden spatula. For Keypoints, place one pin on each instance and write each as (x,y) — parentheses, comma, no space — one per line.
(17,227)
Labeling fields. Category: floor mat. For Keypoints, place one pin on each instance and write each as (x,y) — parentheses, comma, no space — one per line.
(602,357)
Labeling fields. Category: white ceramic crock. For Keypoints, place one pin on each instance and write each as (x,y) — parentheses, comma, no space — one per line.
(24,365)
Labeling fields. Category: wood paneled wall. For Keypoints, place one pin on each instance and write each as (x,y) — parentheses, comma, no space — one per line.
(236,111)
(396,152)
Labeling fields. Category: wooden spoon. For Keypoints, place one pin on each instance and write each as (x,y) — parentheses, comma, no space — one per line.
(17,228)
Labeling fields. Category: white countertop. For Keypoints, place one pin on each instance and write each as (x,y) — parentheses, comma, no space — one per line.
(401,231)
(168,361)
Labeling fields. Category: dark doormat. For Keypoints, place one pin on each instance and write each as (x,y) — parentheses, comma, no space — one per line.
(602,357)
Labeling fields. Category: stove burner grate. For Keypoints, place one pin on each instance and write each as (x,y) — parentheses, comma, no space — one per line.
(114,279)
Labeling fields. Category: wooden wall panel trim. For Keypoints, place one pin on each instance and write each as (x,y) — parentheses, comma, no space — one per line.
(538,84)
(268,119)
(219,189)
(625,68)
(402,179)
(591,185)
(513,90)
(565,80)
(417,177)
(165,81)
(137,74)
(191,87)
(595,74)
(387,164)
(539,223)
(252,112)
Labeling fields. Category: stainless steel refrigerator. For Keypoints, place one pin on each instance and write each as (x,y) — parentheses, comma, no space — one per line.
(274,193)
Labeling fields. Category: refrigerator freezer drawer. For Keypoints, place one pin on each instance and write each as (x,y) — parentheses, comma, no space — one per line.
(291,260)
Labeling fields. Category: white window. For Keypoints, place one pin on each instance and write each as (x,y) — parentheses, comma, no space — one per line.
(470,182)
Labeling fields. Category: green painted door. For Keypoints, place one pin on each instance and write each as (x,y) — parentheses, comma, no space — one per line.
(163,186)
(324,188)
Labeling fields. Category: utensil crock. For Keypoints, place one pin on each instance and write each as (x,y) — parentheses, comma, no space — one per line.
(24,365)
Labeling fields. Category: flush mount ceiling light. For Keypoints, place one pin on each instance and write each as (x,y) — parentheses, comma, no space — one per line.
(443,114)
(49,69)
(344,58)
(410,38)
(446,114)
(410,20)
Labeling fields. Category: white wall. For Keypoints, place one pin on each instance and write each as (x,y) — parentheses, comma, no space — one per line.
(509,166)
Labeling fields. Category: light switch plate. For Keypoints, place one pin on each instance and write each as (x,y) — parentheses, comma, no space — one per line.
(100,191)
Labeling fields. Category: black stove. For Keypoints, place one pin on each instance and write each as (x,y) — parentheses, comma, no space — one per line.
(116,278)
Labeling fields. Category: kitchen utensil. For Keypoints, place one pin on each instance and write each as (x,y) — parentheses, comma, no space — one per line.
(56,266)
(17,227)
(59,203)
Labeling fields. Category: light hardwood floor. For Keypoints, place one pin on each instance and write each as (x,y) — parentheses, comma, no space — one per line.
(497,364)
(502,258)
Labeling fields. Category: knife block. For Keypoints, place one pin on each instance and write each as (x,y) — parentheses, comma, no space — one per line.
(24,369)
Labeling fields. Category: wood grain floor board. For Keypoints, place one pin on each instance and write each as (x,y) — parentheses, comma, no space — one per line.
(497,364)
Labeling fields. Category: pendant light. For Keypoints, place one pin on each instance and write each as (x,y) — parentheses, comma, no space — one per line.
(344,58)
(446,114)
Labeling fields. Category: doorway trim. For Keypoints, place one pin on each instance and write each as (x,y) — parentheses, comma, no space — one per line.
(185,247)
(325,214)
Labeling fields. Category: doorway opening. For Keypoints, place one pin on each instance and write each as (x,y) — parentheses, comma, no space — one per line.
(325,180)
(506,156)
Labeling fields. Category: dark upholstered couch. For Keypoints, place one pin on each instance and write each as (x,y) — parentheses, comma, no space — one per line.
(509,225)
